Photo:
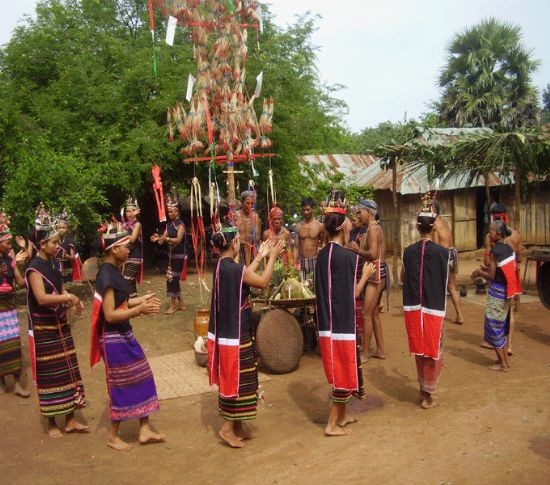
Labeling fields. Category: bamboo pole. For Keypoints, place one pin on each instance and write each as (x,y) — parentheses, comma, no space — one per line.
(397,212)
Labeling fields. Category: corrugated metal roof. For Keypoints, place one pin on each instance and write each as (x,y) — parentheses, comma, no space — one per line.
(366,170)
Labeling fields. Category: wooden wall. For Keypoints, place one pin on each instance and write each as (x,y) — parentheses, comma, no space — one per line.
(534,216)
(457,207)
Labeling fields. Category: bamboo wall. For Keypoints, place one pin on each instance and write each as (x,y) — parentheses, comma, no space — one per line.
(534,215)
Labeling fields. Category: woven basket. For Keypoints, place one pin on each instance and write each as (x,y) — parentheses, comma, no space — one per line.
(293,303)
(280,341)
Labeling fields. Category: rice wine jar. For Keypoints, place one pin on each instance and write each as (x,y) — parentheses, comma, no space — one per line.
(202,317)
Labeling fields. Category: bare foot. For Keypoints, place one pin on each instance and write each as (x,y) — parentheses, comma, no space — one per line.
(149,436)
(348,420)
(337,431)
(171,309)
(73,426)
(498,367)
(182,307)
(54,432)
(231,439)
(486,345)
(458,322)
(378,355)
(364,359)
(510,352)
(118,444)
(428,403)
(19,391)
(243,434)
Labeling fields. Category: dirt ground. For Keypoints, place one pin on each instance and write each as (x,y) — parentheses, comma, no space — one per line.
(490,427)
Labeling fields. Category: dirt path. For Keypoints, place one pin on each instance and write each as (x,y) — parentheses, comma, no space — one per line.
(490,427)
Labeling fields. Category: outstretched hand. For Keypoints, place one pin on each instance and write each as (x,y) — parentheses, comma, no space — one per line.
(20,240)
(278,248)
(21,256)
(149,306)
(264,249)
(368,269)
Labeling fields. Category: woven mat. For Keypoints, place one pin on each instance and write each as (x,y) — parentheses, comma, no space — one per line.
(177,375)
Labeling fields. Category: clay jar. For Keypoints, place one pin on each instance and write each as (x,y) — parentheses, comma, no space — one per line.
(202,317)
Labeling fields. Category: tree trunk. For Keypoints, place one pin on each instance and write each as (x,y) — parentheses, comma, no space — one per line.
(487,192)
(397,212)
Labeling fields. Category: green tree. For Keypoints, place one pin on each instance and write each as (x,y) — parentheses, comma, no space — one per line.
(77,91)
(487,79)
(546,104)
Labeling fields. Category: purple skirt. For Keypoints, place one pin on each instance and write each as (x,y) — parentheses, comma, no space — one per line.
(131,385)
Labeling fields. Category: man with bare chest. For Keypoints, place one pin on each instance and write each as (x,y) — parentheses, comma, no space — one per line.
(500,213)
(443,236)
(373,249)
(249,225)
(307,240)
(277,231)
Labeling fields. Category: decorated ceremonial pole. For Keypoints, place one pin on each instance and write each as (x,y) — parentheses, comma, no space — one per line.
(220,125)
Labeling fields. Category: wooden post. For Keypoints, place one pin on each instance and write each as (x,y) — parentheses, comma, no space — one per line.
(396,211)
(231,184)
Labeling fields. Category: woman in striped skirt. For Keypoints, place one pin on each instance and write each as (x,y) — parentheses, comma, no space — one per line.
(130,382)
(53,355)
(133,268)
(231,347)
(10,339)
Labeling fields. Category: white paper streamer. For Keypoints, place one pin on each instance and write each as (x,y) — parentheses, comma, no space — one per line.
(259,81)
(190,84)
(171,30)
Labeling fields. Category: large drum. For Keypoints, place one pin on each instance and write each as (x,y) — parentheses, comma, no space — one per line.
(90,268)
(280,341)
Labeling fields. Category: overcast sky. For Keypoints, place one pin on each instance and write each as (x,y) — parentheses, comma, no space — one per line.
(386,52)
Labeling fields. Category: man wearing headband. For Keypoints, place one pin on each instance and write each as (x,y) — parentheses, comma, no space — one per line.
(10,339)
(309,237)
(499,212)
(444,237)
(372,249)
(277,232)
(249,224)
(424,277)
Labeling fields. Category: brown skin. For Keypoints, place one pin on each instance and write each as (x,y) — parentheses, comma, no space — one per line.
(131,215)
(173,214)
(373,246)
(280,233)
(443,236)
(489,274)
(47,250)
(142,305)
(63,229)
(232,432)
(246,220)
(514,241)
(310,235)
(20,257)
(337,419)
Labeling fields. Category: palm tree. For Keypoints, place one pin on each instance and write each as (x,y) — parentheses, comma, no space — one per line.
(487,79)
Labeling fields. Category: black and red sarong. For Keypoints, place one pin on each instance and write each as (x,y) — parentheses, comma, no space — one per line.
(336,319)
